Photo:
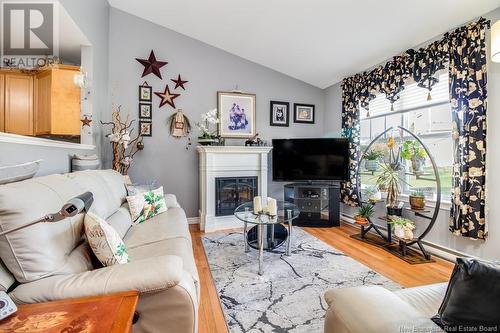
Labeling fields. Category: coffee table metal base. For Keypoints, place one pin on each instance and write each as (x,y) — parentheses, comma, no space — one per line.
(275,236)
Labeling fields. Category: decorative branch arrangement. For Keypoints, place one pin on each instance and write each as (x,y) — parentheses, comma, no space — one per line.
(124,148)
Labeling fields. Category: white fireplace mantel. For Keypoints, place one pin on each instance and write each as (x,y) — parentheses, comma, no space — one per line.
(228,161)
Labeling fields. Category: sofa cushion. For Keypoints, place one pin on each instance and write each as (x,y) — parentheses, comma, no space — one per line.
(105,242)
(175,246)
(425,299)
(171,224)
(372,309)
(41,249)
(121,220)
(107,187)
(6,278)
(472,297)
(145,205)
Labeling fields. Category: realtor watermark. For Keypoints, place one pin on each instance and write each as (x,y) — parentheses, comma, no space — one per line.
(29,34)
(456,328)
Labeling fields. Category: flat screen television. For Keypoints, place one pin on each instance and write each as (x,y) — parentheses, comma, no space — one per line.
(310,159)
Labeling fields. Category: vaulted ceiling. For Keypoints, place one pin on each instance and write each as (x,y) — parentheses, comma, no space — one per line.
(316,41)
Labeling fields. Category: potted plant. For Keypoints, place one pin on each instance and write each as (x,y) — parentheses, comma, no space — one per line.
(403,228)
(364,213)
(372,158)
(208,135)
(372,194)
(417,200)
(414,152)
(389,179)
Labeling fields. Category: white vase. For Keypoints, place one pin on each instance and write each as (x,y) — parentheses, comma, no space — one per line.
(408,233)
(376,196)
(399,231)
(403,232)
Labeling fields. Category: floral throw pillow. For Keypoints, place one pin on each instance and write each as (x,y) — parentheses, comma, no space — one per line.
(145,205)
(104,241)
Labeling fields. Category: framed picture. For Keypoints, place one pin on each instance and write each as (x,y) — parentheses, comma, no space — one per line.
(236,114)
(146,128)
(145,111)
(303,113)
(145,93)
(280,114)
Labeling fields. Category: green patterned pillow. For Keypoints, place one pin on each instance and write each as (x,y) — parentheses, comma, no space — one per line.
(104,241)
(145,205)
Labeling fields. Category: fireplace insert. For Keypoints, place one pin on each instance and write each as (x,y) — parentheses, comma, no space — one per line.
(230,192)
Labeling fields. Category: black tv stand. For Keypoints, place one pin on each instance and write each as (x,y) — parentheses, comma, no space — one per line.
(319,203)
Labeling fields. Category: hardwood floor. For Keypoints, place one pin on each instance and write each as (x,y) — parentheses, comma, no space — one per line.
(211,317)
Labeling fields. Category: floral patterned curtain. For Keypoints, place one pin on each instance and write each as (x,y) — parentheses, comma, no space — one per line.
(350,129)
(465,51)
(468,95)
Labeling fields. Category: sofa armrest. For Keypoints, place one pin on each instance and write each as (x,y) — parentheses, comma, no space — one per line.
(147,275)
(372,309)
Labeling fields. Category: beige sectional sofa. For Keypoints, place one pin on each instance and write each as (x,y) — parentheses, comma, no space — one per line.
(51,261)
(374,309)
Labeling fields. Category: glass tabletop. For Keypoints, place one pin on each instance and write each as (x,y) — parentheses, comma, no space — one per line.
(245,213)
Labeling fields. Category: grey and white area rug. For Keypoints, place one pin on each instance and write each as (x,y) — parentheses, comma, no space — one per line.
(288,297)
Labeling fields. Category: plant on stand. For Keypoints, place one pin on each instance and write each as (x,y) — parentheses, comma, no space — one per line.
(390,179)
(364,213)
(372,159)
(414,152)
(208,128)
(403,228)
(372,193)
(417,200)
(124,147)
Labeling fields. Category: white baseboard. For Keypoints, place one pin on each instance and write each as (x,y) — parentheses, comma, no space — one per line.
(193,220)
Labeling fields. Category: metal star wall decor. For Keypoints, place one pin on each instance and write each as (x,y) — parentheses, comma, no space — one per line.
(167,97)
(86,121)
(179,82)
(151,65)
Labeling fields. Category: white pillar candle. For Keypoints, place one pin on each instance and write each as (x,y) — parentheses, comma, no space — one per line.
(257,205)
(272,208)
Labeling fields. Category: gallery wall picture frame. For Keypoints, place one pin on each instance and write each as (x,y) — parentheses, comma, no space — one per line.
(145,111)
(145,93)
(146,128)
(237,114)
(279,114)
(303,113)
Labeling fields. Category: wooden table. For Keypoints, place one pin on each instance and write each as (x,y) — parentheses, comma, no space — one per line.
(101,314)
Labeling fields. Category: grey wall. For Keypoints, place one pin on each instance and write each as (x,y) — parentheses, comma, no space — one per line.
(333,110)
(92,18)
(208,70)
(489,249)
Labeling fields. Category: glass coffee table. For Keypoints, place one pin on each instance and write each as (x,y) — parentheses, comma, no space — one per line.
(268,232)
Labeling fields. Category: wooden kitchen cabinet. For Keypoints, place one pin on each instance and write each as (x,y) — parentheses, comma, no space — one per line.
(2,105)
(57,107)
(18,103)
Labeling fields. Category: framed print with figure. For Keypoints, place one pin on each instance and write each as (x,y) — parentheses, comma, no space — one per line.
(236,114)
(280,114)
(303,113)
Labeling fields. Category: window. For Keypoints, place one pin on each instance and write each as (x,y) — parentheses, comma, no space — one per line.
(428,119)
